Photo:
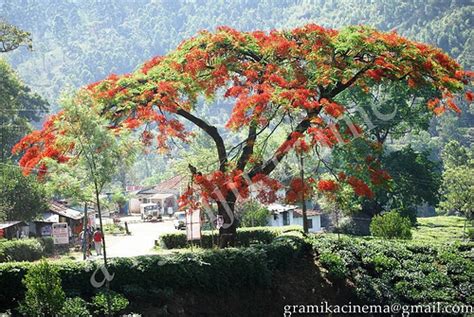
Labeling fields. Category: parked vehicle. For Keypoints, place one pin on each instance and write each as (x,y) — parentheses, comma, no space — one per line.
(179,220)
(150,212)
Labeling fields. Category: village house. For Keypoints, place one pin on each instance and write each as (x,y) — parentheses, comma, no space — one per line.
(58,212)
(286,215)
(13,229)
(165,195)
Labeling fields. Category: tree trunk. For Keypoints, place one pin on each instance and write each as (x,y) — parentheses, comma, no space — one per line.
(303,202)
(228,232)
(107,283)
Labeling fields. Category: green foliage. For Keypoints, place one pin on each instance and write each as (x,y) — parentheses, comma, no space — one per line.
(470,234)
(101,153)
(48,245)
(19,106)
(245,237)
(334,264)
(44,295)
(75,307)
(12,37)
(401,272)
(458,180)
(253,214)
(21,197)
(416,179)
(210,271)
(454,155)
(117,303)
(20,250)
(81,59)
(391,225)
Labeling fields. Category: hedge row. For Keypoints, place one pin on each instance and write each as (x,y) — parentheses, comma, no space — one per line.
(400,272)
(25,249)
(245,237)
(209,270)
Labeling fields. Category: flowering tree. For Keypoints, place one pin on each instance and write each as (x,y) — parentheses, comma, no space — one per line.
(294,75)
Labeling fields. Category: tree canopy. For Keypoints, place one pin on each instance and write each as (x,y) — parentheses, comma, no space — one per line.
(19,106)
(294,76)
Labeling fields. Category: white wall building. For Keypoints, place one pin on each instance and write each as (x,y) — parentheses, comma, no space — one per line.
(286,215)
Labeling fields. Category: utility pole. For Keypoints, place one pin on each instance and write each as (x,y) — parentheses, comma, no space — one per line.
(303,202)
(85,242)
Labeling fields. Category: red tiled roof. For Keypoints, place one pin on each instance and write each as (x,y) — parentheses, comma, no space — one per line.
(310,212)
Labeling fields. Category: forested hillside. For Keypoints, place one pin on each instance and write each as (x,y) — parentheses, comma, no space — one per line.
(78,42)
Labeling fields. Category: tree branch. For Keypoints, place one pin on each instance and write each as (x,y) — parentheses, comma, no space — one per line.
(212,132)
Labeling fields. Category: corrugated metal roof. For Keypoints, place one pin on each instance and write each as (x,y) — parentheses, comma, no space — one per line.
(8,224)
(62,210)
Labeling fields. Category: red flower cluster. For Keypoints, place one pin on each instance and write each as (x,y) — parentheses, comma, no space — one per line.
(331,108)
(297,190)
(360,188)
(327,185)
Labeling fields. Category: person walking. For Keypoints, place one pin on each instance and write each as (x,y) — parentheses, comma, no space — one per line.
(98,237)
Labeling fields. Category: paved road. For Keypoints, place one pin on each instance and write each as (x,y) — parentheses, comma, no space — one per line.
(140,242)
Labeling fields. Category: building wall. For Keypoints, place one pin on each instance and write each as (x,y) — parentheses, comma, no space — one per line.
(134,206)
(316,222)
(278,222)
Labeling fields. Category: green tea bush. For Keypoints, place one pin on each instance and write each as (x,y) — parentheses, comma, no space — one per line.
(20,250)
(44,295)
(334,264)
(391,225)
(400,272)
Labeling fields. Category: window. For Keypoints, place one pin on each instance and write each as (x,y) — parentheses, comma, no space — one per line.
(286,220)
(310,223)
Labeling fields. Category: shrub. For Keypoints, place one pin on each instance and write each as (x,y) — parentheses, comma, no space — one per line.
(75,307)
(117,303)
(334,264)
(210,271)
(20,250)
(44,295)
(48,245)
(245,237)
(391,226)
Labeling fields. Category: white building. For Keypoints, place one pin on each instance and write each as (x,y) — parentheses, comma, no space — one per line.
(286,215)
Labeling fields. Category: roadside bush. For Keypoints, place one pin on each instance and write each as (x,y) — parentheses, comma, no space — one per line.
(391,225)
(117,303)
(210,271)
(245,237)
(75,307)
(44,295)
(20,250)
(48,245)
